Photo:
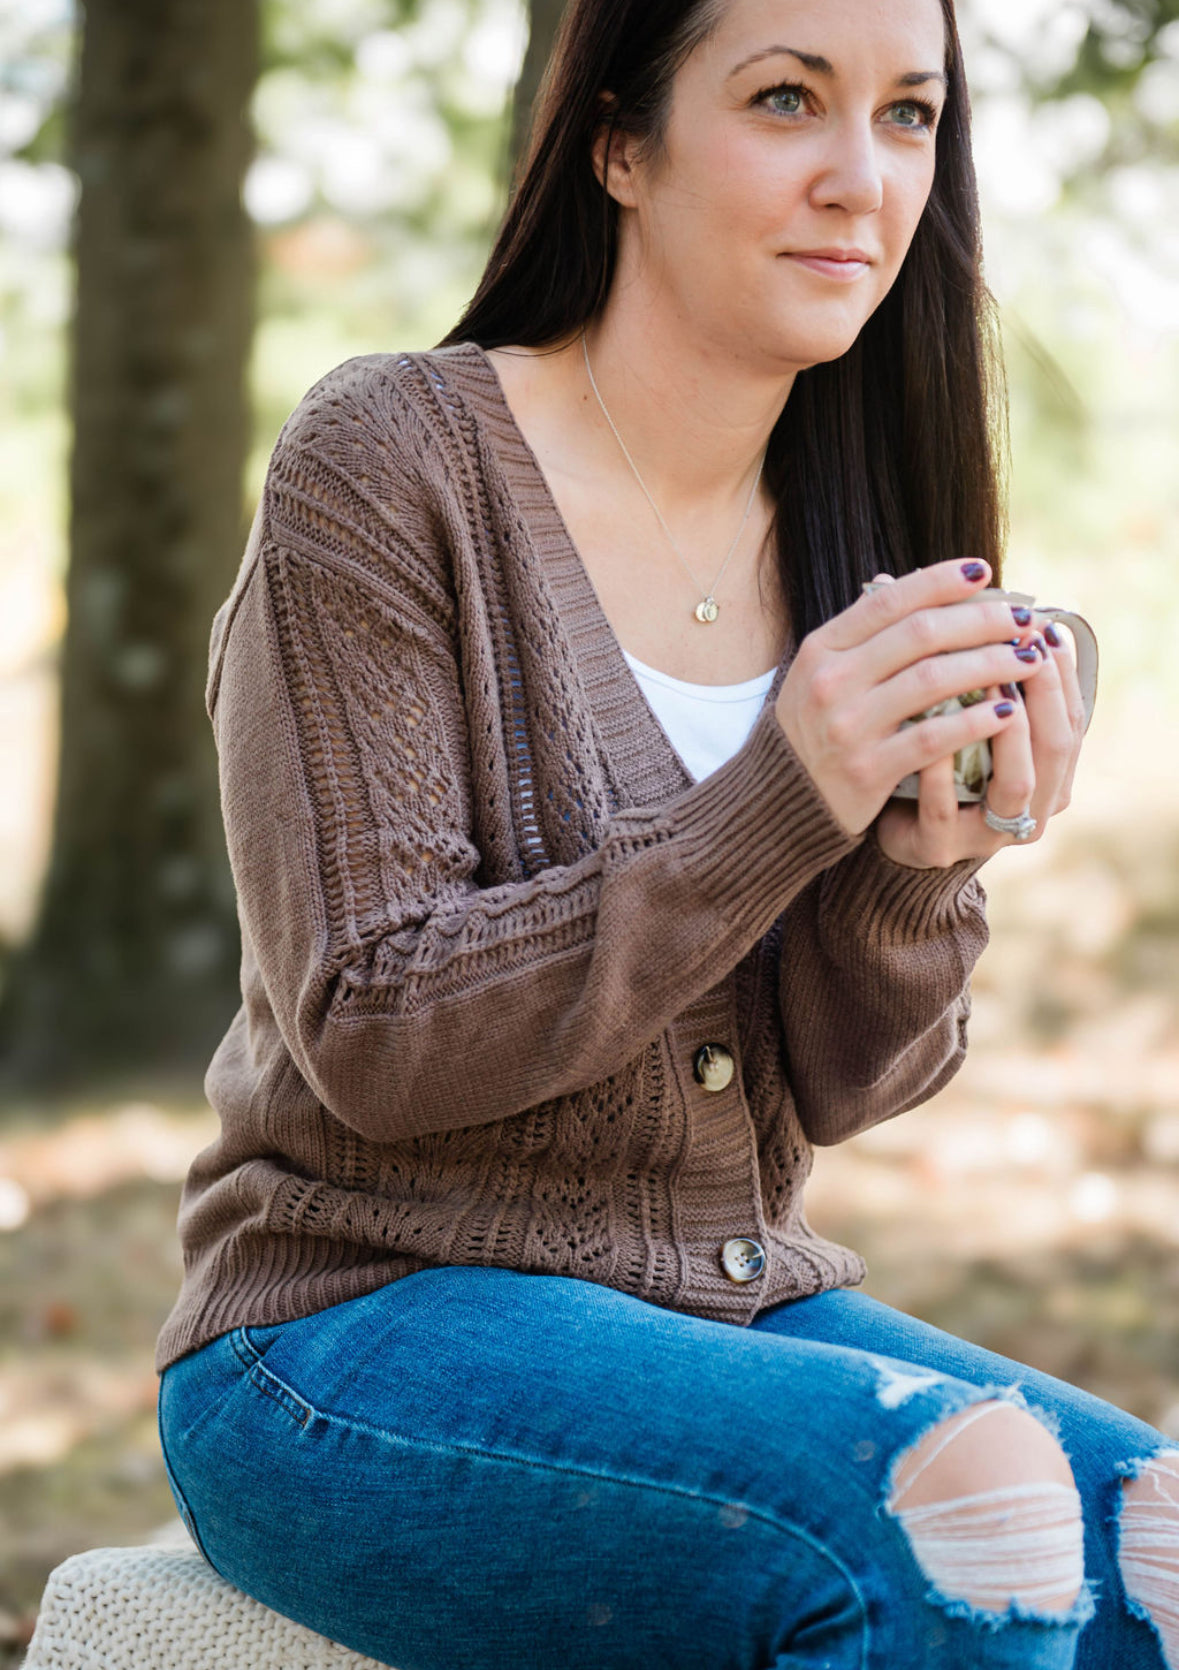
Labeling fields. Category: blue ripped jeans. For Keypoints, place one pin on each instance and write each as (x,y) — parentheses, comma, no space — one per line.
(480,1469)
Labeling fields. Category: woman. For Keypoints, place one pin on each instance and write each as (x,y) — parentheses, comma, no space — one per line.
(504,1339)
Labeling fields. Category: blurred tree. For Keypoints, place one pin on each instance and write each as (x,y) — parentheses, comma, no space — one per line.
(1122,39)
(544,19)
(1118,46)
(134,958)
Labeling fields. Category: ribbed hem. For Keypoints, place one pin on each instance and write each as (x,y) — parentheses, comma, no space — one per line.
(757,830)
(284,1281)
(897,904)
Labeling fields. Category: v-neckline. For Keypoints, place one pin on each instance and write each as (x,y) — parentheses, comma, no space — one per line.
(644,762)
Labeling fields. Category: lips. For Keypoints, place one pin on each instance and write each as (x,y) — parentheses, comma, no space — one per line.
(859,256)
(845,264)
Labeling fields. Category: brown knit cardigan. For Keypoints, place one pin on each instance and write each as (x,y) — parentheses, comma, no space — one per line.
(488,919)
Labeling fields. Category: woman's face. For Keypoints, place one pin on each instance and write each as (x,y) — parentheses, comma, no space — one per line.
(800,130)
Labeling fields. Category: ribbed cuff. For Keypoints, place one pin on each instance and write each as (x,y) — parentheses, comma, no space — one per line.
(757,830)
(902,904)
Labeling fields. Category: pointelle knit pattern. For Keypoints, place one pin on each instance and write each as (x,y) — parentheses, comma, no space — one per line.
(488,919)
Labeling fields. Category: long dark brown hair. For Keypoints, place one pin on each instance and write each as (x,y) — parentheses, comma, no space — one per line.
(885,460)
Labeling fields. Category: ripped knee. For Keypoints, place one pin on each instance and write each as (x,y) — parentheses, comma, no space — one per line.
(992,1512)
(1148,1547)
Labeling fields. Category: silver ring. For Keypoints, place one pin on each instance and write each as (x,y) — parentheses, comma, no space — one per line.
(1023,827)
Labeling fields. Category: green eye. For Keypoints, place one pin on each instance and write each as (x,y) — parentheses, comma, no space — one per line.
(786,101)
(914,113)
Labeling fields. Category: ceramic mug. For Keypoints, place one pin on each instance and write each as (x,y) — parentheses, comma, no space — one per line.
(972,765)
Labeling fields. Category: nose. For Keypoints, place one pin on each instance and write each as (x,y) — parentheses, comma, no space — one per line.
(850,177)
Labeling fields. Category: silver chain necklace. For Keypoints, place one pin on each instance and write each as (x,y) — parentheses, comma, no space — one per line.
(707,610)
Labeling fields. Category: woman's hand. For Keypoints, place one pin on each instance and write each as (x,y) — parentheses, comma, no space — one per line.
(880,662)
(1034,760)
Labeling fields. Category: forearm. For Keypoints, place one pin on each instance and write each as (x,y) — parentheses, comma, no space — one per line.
(875,988)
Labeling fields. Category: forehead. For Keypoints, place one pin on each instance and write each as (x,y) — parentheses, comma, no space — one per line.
(860,32)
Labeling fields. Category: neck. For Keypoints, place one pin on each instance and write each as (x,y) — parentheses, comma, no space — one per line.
(696,423)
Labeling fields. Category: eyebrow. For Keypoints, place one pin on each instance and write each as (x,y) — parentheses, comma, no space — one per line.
(824,66)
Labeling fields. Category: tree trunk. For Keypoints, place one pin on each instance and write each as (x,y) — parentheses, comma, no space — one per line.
(133,963)
(544,20)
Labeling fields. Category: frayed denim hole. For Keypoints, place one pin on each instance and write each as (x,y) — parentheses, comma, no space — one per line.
(1133,1469)
(961,1553)
(1049,1419)
(1016,1611)
(951,1401)
(954,1402)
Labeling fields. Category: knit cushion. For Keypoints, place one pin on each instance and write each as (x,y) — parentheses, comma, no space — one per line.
(162,1607)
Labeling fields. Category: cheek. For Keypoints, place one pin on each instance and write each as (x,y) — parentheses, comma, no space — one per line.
(742,188)
(765,188)
(905,202)
(911,195)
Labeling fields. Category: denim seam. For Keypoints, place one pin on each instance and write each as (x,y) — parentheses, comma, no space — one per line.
(182,1505)
(270,1384)
(267,1383)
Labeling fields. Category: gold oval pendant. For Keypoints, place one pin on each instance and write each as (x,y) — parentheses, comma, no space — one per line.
(707,611)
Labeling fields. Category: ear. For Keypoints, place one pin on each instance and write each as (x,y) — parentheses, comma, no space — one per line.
(617,172)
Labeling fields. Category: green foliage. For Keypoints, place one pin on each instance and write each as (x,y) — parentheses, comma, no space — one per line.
(36,58)
(391,118)
(318,38)
(1123,44)
(48,142)
(1123,38)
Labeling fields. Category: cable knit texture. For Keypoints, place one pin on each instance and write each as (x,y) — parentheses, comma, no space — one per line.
(488,918)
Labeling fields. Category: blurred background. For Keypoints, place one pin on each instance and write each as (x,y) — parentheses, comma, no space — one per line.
(207,204)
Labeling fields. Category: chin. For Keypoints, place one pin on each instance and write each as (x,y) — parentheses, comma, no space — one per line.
(827,353)
(797,337)
(800,350)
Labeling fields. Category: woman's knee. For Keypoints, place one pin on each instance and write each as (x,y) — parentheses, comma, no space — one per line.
(992,1511)
(965,1454)
(1148,1548)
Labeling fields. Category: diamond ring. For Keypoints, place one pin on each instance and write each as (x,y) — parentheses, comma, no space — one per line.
(1023,827)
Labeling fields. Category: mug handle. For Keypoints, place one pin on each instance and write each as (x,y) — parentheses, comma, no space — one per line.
(1086,641)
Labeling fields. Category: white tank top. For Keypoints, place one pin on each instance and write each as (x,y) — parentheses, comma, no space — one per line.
(706,723)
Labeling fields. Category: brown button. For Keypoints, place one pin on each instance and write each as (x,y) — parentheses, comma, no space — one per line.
(742,1259)
(713,1067)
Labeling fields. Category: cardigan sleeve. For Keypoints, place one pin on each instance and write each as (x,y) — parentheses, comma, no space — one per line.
(875,987)
(411,998)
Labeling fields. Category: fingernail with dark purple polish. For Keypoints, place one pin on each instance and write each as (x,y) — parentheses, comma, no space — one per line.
(974,571)
(1009,691)
(1005,709)
(1026,655)
(1041,646)
(1023,617)
(1052,635)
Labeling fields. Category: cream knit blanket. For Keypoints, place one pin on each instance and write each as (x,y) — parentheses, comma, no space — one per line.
(162,1607)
